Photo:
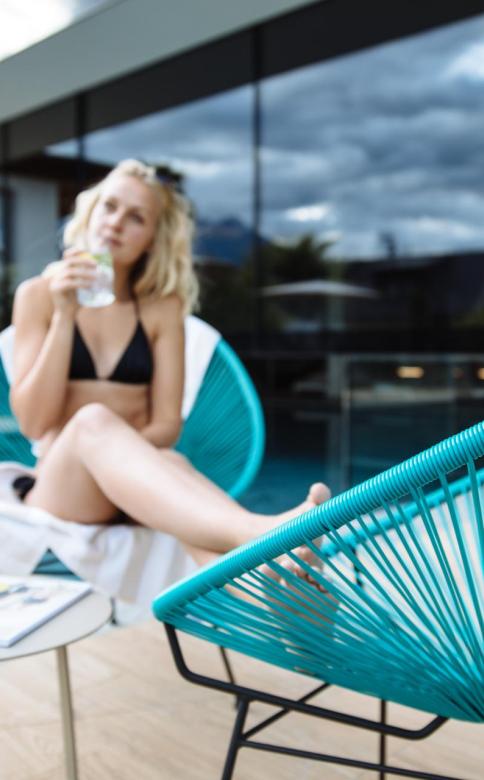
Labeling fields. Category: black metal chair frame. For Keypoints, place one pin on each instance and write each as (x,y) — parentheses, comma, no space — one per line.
(243,738)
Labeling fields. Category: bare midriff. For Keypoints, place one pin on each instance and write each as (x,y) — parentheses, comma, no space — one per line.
(130,402)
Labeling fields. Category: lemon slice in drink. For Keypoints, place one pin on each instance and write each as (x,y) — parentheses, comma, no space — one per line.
(103,258)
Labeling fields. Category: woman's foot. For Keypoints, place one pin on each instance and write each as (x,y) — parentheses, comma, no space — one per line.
(318,494)
(261,524)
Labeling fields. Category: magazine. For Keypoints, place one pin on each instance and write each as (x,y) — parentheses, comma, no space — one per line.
(28,602)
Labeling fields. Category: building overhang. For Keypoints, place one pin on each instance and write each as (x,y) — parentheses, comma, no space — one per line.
(118,40)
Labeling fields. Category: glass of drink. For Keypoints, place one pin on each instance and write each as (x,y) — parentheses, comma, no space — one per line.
(100,292)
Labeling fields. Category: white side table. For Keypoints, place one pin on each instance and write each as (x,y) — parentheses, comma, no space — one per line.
(74,623)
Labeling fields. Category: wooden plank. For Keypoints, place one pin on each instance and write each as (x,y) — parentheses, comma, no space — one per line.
(135,717)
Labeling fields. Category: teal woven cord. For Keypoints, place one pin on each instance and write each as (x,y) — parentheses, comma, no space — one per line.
(399,613)
(224,435)
(51,566)
(13,445)
(392,484)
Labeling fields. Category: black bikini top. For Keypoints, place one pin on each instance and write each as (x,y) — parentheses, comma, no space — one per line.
(134,367)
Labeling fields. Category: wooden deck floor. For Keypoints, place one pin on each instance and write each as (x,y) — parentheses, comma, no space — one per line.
(136,719)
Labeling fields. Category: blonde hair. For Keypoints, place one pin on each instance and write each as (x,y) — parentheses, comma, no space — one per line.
(168,267)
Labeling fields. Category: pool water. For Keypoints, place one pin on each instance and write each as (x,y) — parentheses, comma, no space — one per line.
(342,452)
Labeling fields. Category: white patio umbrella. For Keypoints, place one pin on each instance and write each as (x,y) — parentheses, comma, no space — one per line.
(319,288)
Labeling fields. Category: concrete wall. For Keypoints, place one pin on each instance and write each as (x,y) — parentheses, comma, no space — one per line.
(119,39)
(34,225)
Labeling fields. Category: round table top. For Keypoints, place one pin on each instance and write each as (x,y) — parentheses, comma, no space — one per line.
(75,622)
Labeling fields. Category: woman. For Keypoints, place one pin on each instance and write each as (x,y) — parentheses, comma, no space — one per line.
(101,389)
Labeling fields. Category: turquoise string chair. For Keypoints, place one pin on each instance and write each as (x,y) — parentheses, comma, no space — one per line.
(223,435)
(390,605)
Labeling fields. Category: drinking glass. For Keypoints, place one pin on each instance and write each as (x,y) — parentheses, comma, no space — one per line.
(100,292)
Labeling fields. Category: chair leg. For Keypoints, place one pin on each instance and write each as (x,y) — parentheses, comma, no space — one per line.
(229,670)
(227,665)
(383,752)
(67,714)
(114,620)
(243,706)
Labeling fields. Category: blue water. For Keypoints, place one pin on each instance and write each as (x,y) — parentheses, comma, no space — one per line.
(345,455)
(283,482)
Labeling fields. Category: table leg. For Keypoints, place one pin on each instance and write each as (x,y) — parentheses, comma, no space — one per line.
(67,715)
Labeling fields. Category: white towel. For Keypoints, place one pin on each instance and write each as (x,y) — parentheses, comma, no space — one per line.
(125,561)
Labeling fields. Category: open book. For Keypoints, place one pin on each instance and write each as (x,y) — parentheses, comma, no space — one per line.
(28,602)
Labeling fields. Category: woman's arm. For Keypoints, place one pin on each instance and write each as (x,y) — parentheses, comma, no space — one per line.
(43,316)
(41,358)
(166,389)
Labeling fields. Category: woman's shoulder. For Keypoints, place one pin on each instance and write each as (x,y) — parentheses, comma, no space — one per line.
(32,302)
(34,290)
(164,311)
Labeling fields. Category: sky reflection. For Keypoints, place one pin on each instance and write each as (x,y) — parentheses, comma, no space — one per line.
(382,147)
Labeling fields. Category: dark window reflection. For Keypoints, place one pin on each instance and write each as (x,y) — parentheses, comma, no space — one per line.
(5,254)
(401,405)
(372,178)
(372,240)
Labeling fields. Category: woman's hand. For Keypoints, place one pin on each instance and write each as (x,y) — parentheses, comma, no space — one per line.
(76,270)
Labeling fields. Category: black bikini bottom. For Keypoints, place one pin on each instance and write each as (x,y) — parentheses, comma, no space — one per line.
(23,485)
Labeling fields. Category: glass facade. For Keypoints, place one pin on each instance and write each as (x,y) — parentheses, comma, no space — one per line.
(373,240)
(371,178)
(337,189)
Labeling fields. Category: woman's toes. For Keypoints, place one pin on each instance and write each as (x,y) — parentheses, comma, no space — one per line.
(304,554)
(319,493)
(289,566)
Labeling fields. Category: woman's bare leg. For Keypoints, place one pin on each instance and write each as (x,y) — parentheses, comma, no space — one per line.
(99,464)
(318,493)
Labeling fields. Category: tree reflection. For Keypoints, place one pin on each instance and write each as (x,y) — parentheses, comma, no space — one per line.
(231,295)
